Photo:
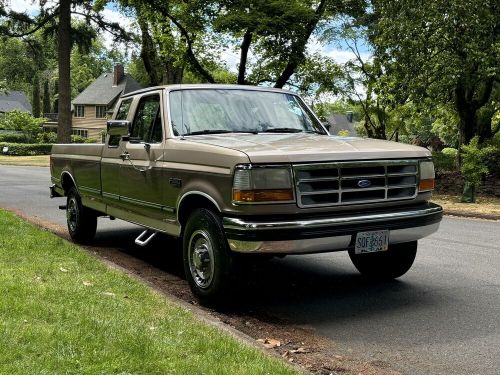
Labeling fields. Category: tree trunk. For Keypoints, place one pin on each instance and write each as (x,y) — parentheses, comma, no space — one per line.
(148,54)
(245,45)
(63,53)
(46,97)
(36,97)
(298,47)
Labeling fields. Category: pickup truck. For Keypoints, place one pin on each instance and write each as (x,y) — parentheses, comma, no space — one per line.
(239,170)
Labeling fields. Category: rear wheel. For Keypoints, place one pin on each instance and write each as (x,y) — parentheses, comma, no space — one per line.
(390,264)
(82,221)
(206,256)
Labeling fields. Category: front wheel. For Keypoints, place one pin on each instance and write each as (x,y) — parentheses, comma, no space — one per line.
(82,221)
(206,256)
(390,264)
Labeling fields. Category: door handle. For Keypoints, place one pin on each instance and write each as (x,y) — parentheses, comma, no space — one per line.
(125,156)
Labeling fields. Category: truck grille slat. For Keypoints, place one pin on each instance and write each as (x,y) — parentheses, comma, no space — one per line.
(343,183)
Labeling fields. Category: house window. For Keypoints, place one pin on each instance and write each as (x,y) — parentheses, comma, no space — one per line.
(100,111)
(79,111)
(81,132)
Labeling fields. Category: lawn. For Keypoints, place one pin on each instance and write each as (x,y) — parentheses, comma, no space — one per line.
(483,205)
(65,312)
(37,160)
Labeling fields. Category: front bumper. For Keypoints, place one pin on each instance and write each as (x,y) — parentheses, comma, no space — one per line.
(329,233)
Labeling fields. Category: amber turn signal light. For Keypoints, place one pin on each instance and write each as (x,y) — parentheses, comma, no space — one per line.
(275,195)
(426,185)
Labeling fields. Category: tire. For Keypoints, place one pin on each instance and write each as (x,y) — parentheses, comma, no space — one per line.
(82,221)
(386,265)
(206,256)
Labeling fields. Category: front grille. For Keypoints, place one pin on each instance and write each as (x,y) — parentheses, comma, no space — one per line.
(343,183)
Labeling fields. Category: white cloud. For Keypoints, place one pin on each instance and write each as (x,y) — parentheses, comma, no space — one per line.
(30,7)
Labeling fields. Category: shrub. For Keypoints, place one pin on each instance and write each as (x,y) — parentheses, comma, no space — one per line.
(23,122)
(12,137)
(474,160)
(80,139)
(47,137)
(450,151)
(444,161)
(26,149)
(343,133)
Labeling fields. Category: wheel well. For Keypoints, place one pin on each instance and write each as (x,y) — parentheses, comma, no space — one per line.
(67,182)
(192,202)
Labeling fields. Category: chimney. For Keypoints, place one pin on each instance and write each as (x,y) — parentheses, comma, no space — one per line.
(118,74)
(349,115)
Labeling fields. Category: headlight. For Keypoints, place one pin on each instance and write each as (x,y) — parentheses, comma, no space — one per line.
(262,184)
(426,176)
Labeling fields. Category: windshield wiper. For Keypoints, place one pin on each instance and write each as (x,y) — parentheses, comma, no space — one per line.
(282,130)
(220,131)
(209,131)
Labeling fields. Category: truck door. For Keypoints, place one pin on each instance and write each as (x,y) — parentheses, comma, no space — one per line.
(111,162)
(141,175)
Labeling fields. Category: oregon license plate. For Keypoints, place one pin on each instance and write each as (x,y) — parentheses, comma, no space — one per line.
(371,242)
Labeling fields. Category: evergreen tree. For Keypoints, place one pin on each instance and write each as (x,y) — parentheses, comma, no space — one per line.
(36,97)
(46,97)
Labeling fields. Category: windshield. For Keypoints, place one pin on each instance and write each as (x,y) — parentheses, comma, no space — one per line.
(212,111)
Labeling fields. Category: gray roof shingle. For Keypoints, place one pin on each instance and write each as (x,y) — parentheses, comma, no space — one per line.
(14,100)
(102,91)
(340,121)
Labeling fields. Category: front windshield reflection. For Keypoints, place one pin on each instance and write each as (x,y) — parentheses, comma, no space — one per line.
(213,111)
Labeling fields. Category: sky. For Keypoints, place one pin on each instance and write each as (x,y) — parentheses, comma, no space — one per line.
(340,54)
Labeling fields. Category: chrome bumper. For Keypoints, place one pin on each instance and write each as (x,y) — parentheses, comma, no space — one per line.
(328,233)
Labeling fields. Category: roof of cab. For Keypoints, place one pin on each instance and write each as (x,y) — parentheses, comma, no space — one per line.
(206,86)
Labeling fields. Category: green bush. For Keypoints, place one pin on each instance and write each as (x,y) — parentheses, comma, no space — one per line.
(80,139)
(474,157)
(13,137)
(25,149)
(22,122)
(444,161)
(47,137)
(450,151)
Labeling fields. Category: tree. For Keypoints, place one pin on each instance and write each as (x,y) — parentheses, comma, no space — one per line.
(275,33)
(46,97)
(55,19)
(35,102)
(443,50)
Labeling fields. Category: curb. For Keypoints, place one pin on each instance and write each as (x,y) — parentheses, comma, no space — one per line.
(473,215)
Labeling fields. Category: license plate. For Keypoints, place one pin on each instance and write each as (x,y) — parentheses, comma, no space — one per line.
(371,242)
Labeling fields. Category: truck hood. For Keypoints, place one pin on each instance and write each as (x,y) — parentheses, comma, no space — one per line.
(306,147)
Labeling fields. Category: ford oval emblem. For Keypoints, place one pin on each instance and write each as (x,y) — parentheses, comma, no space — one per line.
(364,183)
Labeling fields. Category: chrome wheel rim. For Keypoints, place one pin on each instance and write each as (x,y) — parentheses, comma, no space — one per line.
(72,213)
(201,258)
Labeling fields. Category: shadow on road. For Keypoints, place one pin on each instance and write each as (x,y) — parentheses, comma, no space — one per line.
(300,289)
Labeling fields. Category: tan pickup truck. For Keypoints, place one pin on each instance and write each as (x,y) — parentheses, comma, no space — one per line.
(237,170)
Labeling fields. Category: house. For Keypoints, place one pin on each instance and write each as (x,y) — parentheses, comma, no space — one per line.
(341,121)
(14,100)
(92,106)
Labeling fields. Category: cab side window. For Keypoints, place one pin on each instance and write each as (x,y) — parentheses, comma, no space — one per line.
(147,125)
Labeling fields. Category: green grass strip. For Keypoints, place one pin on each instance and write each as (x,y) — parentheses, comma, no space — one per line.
(62,311)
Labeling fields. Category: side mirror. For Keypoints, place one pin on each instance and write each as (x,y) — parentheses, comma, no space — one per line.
(327,125)
(120,128)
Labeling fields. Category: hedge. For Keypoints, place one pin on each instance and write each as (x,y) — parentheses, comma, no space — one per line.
(12,137)
(25,149)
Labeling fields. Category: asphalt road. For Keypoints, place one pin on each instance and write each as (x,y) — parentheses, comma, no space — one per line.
(443,317)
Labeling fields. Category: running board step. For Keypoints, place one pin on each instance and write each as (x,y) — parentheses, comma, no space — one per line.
(139,240)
